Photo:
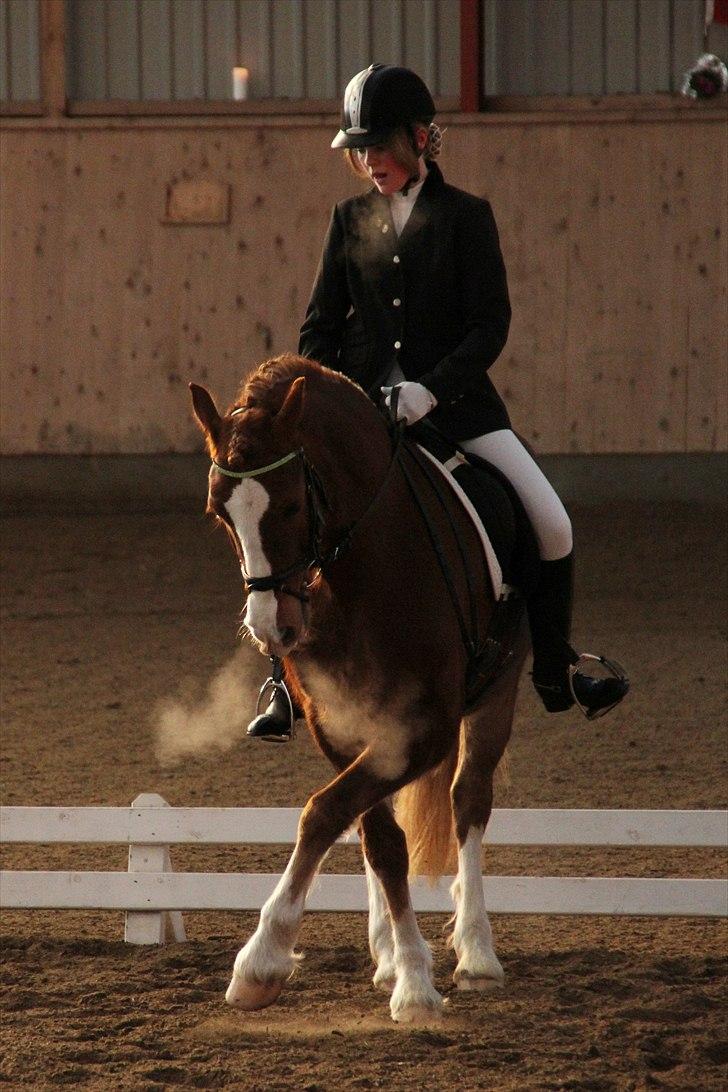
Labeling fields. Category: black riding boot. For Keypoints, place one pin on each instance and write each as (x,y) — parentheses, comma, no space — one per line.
(275,725)
(549,614)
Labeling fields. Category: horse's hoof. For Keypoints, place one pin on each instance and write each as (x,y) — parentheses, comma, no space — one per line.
(249,996)
(478,983)
(419,1014)
(422,1006)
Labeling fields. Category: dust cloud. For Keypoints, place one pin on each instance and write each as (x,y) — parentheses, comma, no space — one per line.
(190,725)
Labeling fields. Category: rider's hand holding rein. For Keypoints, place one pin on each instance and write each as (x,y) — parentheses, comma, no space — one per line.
(415,401)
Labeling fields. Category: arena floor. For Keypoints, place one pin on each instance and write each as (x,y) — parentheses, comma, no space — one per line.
(107,618)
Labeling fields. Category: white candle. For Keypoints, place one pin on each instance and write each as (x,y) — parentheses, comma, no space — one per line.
(240,83)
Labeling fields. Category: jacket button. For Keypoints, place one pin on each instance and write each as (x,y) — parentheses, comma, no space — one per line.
(398,344)
(395,259)
(396,302)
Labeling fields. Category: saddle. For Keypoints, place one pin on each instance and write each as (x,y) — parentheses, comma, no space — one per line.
(496,504)
(511,535)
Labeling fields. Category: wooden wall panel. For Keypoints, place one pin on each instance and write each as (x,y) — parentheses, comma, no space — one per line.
(613,234)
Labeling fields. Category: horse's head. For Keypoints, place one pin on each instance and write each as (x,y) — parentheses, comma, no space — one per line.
(264,491)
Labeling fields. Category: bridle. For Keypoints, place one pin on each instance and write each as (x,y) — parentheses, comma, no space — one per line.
(317,502)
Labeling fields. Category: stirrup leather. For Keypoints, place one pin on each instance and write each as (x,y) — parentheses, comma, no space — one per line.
(613,669)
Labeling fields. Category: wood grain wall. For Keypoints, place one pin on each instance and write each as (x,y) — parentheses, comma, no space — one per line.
(614,236)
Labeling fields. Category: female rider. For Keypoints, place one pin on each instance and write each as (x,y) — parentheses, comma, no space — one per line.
(411,290)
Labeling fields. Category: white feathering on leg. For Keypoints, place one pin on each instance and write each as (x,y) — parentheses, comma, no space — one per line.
(381,942)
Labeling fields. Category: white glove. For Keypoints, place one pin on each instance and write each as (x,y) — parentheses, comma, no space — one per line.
(415,401)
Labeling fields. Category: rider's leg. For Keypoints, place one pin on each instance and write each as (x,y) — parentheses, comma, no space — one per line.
(550,606)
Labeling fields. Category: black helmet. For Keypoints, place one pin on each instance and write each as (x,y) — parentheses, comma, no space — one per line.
(377,101)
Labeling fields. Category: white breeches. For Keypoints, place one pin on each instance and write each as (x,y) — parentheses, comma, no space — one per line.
(547,514)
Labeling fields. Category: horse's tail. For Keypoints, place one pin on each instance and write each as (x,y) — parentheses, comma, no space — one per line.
(424,812)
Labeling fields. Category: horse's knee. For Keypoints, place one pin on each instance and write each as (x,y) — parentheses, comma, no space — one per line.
(321,822)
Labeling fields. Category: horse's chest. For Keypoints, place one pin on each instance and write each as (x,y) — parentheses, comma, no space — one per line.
(352,722)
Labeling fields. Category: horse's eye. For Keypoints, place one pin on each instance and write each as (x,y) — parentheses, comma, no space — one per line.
(290,510)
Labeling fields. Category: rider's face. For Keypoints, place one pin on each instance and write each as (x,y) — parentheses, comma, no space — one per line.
(385,171)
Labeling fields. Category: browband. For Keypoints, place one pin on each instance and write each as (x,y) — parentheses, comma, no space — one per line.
(261,469)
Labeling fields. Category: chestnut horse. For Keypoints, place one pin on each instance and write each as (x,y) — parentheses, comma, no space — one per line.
(347,587)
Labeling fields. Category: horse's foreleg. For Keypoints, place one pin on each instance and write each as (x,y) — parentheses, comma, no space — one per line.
(485,735)
(404,961)
(268,959)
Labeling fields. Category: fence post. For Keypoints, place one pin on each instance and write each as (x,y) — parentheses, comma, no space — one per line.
(151,926)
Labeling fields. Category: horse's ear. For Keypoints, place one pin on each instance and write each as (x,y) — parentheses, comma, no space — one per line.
(290,414)
(205,410)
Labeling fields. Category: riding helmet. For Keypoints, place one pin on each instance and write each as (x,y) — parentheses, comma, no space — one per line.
(377,101)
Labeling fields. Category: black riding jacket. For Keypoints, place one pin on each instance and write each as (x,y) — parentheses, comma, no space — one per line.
(435,301)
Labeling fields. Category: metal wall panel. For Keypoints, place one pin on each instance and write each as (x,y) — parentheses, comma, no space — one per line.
(288,42)
(186,49)
(653,59)
(620,46)
(321,35)
(124,64)
(156,50)
(19,51)
(255,45)
(86,49)
(220,33)
(448,48)
(4,55)
(589,47)
(189,53)
(587,54)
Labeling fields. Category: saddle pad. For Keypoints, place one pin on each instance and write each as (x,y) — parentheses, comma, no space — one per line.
(496,573)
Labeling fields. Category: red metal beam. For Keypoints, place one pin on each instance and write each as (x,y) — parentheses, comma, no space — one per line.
(471,55)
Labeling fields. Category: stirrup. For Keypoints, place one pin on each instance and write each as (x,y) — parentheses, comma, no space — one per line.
(273,686)
(614,671)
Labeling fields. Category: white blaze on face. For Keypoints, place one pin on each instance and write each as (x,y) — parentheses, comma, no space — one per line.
(246,507)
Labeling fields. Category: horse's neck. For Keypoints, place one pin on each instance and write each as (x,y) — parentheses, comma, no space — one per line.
(354,456)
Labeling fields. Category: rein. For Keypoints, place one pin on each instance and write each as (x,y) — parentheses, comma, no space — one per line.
(317,500)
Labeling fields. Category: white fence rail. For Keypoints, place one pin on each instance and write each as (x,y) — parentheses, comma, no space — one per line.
(153,895)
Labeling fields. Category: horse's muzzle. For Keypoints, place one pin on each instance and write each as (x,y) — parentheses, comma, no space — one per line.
(280,626)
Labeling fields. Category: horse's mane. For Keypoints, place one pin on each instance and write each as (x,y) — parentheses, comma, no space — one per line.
(266,388)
